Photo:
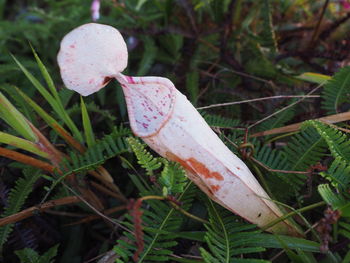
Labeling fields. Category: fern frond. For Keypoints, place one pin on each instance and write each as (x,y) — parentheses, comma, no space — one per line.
(160,224)
(219,121)
(344,229)
(305,149)
(16,199)
(280,184)
(228,239)
(267,36)
(336,91)
(338,142)
(106,148)
(28,255)
(173,178)
(277,121)
(91,107)
(333,199)
(144,158)
(338,174)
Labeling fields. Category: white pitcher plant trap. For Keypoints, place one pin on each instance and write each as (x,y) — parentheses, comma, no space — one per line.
(93,54)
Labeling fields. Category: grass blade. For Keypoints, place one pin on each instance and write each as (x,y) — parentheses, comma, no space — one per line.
(89,134)
(15,119)
(22,144)
(55,103)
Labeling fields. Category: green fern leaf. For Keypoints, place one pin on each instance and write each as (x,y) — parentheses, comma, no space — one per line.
(277,121)
(228,239)
(160,223)
(267,36)
(335,200)
(280,184)
(304,149)
(338,174)
(16,199)
(336,91)
(344,229)
(338,142)
(28,255)
(145,159)
(219,121)
(104,149)
(91,107)
(49,255)
(173,178)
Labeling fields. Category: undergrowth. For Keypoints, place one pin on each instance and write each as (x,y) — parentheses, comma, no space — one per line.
(77,186)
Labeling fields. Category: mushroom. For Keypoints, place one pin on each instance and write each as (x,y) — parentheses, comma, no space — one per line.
(162,116)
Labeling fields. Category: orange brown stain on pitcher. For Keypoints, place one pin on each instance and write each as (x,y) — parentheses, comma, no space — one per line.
(196,167)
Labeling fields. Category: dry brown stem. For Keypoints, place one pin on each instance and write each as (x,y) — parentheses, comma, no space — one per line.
(40,208)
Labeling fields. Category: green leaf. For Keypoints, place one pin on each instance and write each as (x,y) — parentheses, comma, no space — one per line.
(173,178)
(55,102)
(139,5)
(338,142)
(15,119)
(28,255)
(160,224)
(267,36)
(49,255)
(192,85)
(22,144)
(227,239)
(333,199)
(145,159)
(104,149)
(336,91)
(89,134)
(44,115)
(46,75)
(16,199)
(314,77)
(338,173)
(149,54)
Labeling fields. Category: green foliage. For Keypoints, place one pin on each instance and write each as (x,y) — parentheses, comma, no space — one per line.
(214,51)
(144,158)
(148,57)
(17,196)
(338,173)
(333,199)
(267,35)
(336,91)
(104,149)
(173,178)
(160,223)
(227,239)
(219,121)
(279,183)
(15,119)
(338,142)
(28,255)
(230,240)
(89,134)
(277,121)
(50,96)
(304,150)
